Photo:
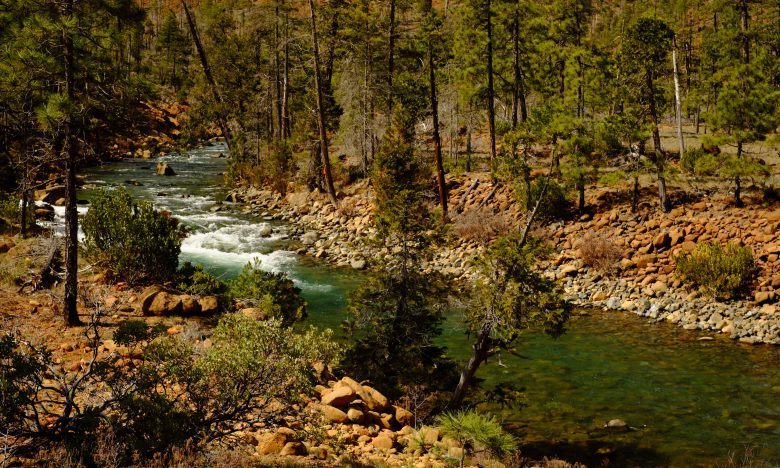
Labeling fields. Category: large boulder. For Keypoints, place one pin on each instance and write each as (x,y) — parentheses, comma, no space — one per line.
(209,305)
(333,414)
(6,244)
(270,443)
(165,304)
(164,169)
(339,396)
(50,194)
(189,305)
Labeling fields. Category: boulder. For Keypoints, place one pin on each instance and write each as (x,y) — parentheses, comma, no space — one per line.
(50,194)
(293,449)
(662,240)
(6,244)
(762,297)
(356,416)
(333,414)
(374,400)
(164,304)
(270,443)
(382,442)
(147,296)
(163,169)
(339,396)
(310,238)
(256,313)
(209,305)
(189,305)
(403,417)
(358,264)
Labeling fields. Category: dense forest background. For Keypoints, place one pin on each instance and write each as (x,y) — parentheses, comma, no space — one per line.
(481,81)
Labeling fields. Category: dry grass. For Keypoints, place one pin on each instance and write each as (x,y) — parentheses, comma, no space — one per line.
(482,226)
(598,251)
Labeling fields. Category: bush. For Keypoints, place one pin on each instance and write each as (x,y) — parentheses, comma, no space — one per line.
(272,292)
(698,162)
(722,272)
(133,241)
(555,206)
(480,432)
(192,279)
(482,226)
(11,210)
(599,251)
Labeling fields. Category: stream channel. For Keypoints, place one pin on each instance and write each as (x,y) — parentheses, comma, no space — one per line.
(689,402)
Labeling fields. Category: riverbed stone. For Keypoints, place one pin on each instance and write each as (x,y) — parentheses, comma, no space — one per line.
(163,169)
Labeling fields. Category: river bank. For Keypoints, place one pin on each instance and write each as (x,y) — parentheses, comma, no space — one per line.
(642,279)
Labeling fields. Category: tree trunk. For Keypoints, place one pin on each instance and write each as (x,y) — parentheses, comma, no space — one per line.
(217,96)
(581,191)
(677,100)
(491,90)
(390,62)
(658,157)
(743,23)
(277,77)
(70,153)
(738,180)
(321,111)
(23,217)
(480,352)
(635,195)
(286,133)
(437,135)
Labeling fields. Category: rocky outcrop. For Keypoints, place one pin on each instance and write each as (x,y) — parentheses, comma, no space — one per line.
(155,301)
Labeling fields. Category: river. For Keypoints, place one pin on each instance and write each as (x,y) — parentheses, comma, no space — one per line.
(689,401)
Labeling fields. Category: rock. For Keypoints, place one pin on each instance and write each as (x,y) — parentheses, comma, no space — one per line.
(256,313)
(270,443)
(291,449)
(358,264)
(382,441)
(209,305)
(762,297)
(147,296)
(375,401)
(339,396)
(662,240)
(403,417)
(569,270)
(266,231)
(165,304)
(333,414)
(429,435)
(50,194)
(189,305)
(616,425)
(163,169)
(310,238)
(659,287)
(355,415)
(6,245)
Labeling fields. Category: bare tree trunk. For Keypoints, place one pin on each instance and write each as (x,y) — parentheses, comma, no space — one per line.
(321,111)
(70,152)
(217,96)
(286,133)
(390,62)
(738,180)
(658,157)
(277,76)
(491,90)
(677,100)
(436,134)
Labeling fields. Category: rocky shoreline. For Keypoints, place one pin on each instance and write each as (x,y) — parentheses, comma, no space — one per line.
(642,282)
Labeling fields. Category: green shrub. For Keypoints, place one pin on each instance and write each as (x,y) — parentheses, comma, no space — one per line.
(192,279)
(479,432)
(689,158)
(240,380)
(11,210)
(272,292)
(722,272)
(554,206)
(132,240)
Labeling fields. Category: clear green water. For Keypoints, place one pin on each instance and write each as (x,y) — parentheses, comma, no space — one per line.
(691,402)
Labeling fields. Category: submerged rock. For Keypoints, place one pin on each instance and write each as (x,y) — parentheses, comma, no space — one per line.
(163,169)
